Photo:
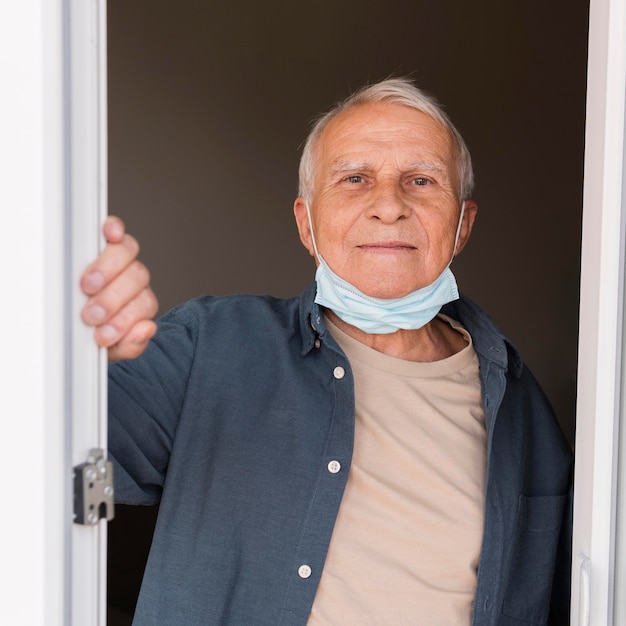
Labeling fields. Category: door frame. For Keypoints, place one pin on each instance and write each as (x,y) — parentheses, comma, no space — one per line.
(53,379)
(601,319)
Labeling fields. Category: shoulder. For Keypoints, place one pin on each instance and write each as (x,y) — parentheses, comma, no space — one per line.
(235,319)
(489,340)
(232,309)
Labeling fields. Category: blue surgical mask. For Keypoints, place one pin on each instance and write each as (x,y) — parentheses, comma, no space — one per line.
(384,315)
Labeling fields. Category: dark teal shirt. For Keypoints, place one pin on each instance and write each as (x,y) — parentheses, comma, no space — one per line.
(230,420)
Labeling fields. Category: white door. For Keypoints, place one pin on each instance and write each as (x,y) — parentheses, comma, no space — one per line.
(52,199)
(599,409)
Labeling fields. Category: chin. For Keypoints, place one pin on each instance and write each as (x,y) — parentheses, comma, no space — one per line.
(386,292)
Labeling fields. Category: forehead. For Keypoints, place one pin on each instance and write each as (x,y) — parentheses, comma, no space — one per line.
(375,130)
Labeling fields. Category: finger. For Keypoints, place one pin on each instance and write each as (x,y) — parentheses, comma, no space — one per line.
(113,229)
(114,330)
(113,260)
(134,343)
(110,300)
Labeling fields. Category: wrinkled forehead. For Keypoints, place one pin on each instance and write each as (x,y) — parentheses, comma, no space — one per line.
(380,126)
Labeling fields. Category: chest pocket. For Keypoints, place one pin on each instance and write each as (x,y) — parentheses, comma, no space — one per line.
(534,548)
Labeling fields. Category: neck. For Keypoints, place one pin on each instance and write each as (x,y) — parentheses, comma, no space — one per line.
(435,341)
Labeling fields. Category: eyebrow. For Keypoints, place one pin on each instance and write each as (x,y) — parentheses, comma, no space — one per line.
(341,165)
(427,165)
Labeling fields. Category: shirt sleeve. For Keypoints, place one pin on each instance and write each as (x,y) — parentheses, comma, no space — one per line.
(145,400)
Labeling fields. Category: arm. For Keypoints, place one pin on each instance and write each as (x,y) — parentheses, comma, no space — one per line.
(121,303)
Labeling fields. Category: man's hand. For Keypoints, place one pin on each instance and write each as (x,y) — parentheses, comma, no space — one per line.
(121,304)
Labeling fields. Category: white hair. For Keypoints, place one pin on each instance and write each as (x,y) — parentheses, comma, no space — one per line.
(396,91)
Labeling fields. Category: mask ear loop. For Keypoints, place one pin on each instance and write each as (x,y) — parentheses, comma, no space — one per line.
(458,232)
(308,214)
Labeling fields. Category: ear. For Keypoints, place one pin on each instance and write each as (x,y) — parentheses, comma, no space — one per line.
(469,215)
(304,227)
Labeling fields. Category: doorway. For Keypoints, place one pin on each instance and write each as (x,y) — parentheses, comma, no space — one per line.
(209,104)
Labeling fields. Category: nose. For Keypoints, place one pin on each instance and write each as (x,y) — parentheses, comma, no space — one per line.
(387,204)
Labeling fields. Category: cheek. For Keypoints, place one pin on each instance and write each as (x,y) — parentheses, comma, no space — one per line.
(442,230)
(335,231)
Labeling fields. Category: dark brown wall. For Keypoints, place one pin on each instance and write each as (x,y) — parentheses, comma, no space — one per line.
(209,103)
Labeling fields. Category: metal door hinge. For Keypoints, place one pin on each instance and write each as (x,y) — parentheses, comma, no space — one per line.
(93,489)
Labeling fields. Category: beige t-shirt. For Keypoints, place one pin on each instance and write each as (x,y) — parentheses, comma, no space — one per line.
(406,543)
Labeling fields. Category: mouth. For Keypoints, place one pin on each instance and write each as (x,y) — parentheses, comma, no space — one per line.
(387,246)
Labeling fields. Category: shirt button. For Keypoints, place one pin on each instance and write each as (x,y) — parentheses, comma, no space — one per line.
(304,571)
(318,343)
(339,372)
(334,467)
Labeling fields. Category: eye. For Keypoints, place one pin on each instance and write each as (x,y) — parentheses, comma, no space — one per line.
(355,179)
(420,181)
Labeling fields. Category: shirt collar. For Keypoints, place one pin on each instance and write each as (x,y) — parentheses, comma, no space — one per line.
(489,341)
(311,319)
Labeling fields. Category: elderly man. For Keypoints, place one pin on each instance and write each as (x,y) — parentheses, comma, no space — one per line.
(373,451)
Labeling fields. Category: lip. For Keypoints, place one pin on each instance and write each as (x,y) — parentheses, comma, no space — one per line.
(388,246)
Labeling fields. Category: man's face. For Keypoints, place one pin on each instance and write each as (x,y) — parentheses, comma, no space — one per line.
(385,207)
